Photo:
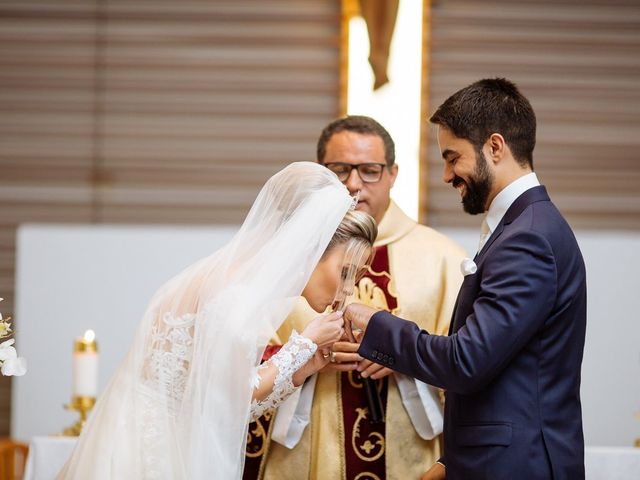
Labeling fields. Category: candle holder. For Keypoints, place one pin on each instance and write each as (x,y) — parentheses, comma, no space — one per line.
(87,343)
(85,380)
(83,406)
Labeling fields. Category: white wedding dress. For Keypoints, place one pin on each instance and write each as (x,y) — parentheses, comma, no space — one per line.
(179,405)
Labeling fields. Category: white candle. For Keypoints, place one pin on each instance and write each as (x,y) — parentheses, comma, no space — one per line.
(85,366)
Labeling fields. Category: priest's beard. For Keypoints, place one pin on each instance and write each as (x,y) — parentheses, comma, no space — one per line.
(479,185)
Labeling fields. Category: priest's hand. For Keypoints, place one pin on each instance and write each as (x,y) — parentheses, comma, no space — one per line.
(368,369)
(343,357)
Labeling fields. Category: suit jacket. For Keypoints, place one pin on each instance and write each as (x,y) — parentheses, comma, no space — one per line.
(511,363)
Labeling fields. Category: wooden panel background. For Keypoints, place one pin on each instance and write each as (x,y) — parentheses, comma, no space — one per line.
(578,61)
(132,111)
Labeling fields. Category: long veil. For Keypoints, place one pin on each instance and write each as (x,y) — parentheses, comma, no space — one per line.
(178,405)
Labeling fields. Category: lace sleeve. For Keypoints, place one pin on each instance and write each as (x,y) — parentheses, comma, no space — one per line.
(293,355)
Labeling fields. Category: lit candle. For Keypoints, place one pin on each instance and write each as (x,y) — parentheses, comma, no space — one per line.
(85,365)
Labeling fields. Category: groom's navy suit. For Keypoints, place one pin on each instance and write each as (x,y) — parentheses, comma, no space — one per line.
(511,363)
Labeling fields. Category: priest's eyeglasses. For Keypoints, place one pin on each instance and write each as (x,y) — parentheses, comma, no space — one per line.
(368,172)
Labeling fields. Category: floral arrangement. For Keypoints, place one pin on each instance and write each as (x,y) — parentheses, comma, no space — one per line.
(11,363)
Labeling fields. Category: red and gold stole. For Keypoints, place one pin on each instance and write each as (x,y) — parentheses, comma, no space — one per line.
(364,442)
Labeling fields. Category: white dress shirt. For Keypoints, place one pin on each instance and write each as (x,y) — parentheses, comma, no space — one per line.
(503,201)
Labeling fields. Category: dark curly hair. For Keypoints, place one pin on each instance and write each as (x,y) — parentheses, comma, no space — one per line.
(492,105)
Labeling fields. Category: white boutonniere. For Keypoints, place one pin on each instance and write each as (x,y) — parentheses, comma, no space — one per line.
(468,267)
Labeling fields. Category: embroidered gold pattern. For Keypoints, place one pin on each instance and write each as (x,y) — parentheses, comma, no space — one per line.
(368,446)
(391,286)
(353,380)
(343,466)
(370,294)
(257,438)
(367,476)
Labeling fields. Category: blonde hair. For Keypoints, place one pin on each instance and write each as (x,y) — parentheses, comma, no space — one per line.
(355,225)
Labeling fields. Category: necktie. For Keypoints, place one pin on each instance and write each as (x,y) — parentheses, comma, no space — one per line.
(485,233)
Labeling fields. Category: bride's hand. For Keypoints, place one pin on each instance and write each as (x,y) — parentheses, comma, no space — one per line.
(325,330)
(319,360)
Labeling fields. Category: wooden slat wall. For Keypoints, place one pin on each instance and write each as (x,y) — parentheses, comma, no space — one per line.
(578,61)
(131,111)
(205,100)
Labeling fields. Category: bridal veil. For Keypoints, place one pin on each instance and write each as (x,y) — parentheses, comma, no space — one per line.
(178,405)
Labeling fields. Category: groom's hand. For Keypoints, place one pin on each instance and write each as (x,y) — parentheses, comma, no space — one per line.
(358,316)
(437,472)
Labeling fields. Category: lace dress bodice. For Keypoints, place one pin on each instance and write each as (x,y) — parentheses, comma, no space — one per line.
(169,357)
(168,362)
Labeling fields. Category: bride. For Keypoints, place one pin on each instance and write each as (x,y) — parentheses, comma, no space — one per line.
(179,405)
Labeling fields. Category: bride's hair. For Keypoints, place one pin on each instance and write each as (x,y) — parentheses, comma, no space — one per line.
(357,226)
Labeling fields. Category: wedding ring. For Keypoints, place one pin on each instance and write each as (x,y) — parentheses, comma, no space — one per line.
(326,355)
(332,354)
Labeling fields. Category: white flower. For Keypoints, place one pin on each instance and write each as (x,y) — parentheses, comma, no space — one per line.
(468,267)
(7,350)
(11,363)
(16,366)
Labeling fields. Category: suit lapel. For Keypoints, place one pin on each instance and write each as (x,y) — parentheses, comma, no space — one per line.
(533,195)
(453,314)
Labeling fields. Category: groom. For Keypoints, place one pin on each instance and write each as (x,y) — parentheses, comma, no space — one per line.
(511,362)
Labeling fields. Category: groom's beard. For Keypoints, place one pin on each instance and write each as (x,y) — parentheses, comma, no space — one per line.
(478,188)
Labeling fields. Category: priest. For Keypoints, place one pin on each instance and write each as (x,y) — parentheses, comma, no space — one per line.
(328,429)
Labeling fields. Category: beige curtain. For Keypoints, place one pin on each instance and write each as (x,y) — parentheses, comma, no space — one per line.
(579,64)
(154,111)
